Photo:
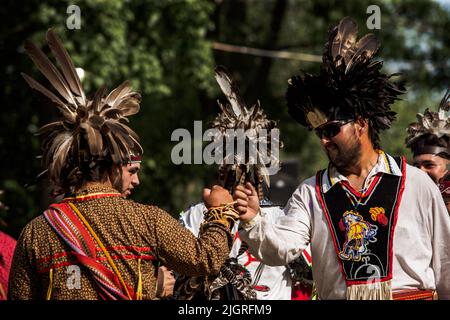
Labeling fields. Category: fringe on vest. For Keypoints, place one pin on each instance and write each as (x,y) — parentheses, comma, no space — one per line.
(370,291)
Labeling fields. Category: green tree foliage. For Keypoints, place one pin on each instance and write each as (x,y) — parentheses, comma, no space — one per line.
(159,45)
(164,47)
(414,39)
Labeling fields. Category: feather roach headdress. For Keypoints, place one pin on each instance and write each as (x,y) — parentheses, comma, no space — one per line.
(431,133)
(350,83)
(91,134)
(238,168)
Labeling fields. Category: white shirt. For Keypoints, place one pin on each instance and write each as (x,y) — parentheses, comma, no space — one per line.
(421,244)
(276,278)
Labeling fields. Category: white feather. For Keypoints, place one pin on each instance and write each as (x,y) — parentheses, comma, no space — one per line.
(226,85)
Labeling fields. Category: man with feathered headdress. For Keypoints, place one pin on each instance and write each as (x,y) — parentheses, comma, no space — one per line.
(429,140)
(95,243)
(242,277)
(347,105)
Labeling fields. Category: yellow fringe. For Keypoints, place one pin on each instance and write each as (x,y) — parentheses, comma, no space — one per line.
(139,285)
(50,285)
(370,291)
(108,257)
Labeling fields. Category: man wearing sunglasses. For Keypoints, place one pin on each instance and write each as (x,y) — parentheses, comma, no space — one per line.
(378,228)
(341,155)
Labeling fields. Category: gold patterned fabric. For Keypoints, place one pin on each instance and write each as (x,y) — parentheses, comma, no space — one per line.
(131,232)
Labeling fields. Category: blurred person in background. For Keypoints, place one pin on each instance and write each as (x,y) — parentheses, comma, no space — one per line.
(429,140)
(243,277)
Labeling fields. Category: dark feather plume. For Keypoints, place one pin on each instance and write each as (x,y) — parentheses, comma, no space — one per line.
(349,83)
(365,49)
(445,102)
(430,123)
(343,43)
(66,64)
(236,115)
(91,133)
(68,114)
(49,71)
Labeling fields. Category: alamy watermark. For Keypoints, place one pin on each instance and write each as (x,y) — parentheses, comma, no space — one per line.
(374,20)
(231,146)
(73,277)
(73,21)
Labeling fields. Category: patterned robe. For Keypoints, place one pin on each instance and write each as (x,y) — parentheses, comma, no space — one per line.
(137,237)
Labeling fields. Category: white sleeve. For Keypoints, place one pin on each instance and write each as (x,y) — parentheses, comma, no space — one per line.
(193,217)
(441,246)
(278,243)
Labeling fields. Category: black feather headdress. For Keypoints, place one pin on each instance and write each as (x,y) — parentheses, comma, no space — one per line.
(237,168)
(350,83)
(91,132)
(431,133)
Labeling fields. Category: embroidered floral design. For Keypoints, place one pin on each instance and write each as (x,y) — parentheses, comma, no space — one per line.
(378,214)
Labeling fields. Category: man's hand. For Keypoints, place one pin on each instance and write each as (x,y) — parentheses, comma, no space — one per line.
(217,196)
(247,202)
(165,284)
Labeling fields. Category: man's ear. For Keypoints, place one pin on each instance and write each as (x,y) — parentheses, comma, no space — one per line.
(362,125)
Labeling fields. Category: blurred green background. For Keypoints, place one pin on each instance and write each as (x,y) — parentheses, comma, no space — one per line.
(168,49)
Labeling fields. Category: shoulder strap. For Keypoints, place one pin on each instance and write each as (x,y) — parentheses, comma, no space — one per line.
(68,222)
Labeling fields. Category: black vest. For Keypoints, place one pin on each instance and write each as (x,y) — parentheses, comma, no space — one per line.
(362,225)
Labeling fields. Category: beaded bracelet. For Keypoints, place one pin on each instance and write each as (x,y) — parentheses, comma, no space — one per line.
(224,214)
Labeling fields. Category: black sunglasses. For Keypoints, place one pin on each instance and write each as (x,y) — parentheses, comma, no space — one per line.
(331,129)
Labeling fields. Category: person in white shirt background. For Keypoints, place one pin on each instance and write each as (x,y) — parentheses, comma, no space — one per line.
(243,277)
